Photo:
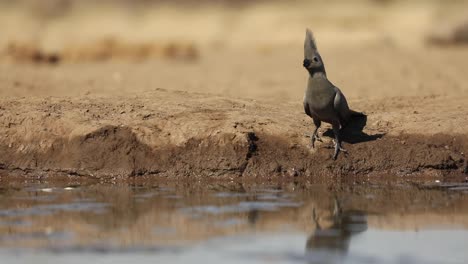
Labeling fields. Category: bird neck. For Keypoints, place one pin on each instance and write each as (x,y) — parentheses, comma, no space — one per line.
(317,72)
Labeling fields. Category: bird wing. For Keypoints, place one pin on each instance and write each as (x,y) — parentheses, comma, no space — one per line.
(341,106)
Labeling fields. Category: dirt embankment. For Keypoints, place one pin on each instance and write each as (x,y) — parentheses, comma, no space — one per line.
(158,134)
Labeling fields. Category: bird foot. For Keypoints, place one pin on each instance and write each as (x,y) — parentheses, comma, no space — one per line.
(339,148)
(315,138)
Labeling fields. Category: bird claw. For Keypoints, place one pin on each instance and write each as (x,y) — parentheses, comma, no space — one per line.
(315,138)
(337,151)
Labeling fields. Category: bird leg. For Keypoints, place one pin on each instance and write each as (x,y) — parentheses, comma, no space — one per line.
(338,148)
(315,136)
(315,219)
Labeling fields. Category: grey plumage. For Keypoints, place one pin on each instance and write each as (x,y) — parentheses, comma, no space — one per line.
(323,101)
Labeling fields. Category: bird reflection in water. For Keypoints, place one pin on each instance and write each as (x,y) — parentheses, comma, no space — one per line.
(330,244)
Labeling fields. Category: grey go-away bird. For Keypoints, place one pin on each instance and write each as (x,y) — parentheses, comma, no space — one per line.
(323,101)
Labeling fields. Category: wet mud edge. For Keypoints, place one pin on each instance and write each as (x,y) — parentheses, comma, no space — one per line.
(116,152)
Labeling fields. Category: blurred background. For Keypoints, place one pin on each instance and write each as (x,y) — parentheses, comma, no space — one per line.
(372,48)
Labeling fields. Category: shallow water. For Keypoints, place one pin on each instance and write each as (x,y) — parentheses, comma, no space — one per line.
(232,223)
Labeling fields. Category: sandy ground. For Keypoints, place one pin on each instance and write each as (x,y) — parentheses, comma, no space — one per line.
(235,109)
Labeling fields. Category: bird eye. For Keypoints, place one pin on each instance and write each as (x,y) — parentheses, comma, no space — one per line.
(315,59)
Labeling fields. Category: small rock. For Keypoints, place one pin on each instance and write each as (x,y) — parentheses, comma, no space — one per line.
(147,116)
(293,172)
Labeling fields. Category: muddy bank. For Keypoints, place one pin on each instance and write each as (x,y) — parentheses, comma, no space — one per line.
(115,152)
(209,136)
